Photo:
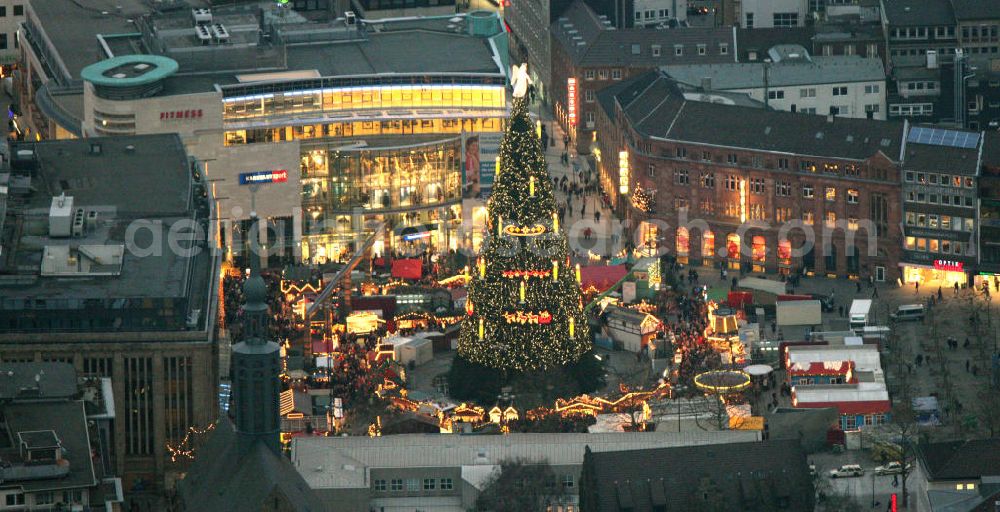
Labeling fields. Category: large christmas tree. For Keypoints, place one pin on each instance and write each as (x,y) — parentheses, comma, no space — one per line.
(524,309)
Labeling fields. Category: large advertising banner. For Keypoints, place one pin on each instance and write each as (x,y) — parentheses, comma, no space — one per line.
(479,165)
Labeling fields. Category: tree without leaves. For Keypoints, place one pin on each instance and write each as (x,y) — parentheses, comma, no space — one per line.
(521,485)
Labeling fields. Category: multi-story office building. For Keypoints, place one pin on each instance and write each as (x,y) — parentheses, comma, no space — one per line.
(446,473)
(55,433)
(794,81)
(106,267)
(940,211)
(11,16)
(773,13)
(989,210)
(774,192)
(529,21)
(325,129)
(588,54)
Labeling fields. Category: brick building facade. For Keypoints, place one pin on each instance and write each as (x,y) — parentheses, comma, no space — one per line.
(750,195)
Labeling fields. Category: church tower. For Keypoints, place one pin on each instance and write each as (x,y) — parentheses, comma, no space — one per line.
(256,362)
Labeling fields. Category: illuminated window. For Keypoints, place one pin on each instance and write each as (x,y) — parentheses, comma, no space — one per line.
(831,219)
(910,243)
(852,223)
(707,244)
(807,191)
(830,193)
(808,218)
(853,195)
(733,246)
(683,241)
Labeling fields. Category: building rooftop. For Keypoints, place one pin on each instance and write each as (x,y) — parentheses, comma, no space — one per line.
(909,13)
(125,194)
(66,421)
(37,381)
(787,72)
(760,40)
(591,41)
(976,9)
(942,150)
(655,107)
(961,459)
(739,476)
(339,462)
(230,473)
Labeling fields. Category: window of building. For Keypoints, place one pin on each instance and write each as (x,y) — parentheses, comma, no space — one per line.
(840,91)
(807,191)
(616,74)
(708,180)
(447,484)
(848,49)
(807,165)
(827,50)
(872,52)
(379,485)
(18,10)
(909,176)
(396,484)
(852,196)
(852,223)
(680,176)
(757,161)
(678,50)
(782,214)
(809,92)
(706,156)
(732,182)
(656,50)
(831,220)
(872,89)
(808,218)
(776,95)
(664,13)
(910,243)
(588,96)
(731,158)
(590,119)
(723,49)
(702,49)
(749,20)
(782,163)
(588,74)
(412,484)
(430,484)
(782,188)
(932,221)
(757,186)
(932,198)
(3,11)
(681,152)
(786,19)
(44,498)
(3,41)
(602,74)
(830,194)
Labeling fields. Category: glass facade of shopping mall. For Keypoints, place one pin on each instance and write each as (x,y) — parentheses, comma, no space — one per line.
(388,152)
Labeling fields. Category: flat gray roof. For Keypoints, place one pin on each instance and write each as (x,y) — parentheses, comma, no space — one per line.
(72,27)
(142,182)
(322,461)
(55,380)
(69,422)
(820,70)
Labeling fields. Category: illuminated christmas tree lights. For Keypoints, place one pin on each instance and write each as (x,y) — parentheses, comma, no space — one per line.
(526,309)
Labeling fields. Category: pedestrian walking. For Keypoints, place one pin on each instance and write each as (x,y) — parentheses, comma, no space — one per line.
(597,216)
(859,286)
(840,310)
(916,287)
(967,363)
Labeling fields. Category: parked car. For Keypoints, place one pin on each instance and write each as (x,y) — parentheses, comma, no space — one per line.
(847,470)
(892,468)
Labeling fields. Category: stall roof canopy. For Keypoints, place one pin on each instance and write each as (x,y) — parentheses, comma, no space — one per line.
(601,277)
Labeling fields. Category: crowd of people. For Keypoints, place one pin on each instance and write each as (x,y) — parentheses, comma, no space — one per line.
(685,318)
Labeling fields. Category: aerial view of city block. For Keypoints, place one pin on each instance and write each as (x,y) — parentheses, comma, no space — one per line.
(500,256)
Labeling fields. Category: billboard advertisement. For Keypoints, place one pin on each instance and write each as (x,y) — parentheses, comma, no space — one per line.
(479,165)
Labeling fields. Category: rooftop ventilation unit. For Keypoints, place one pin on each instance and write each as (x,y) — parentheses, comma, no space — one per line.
(220,33)
(141,67)
(351,18)
(203,34)
(201,15)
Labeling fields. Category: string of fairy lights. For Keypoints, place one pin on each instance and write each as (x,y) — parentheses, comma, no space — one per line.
(525,310)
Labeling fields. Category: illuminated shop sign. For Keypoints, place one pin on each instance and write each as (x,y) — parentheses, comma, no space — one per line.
(571,100)
(256,178)
(949,265)
(181,114)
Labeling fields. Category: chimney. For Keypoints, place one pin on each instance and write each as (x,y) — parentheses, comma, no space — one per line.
(706,83)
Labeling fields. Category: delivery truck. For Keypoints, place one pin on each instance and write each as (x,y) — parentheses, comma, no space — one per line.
(860,312)
(799,312)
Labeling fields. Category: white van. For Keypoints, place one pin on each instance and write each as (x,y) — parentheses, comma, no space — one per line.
(908,312)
